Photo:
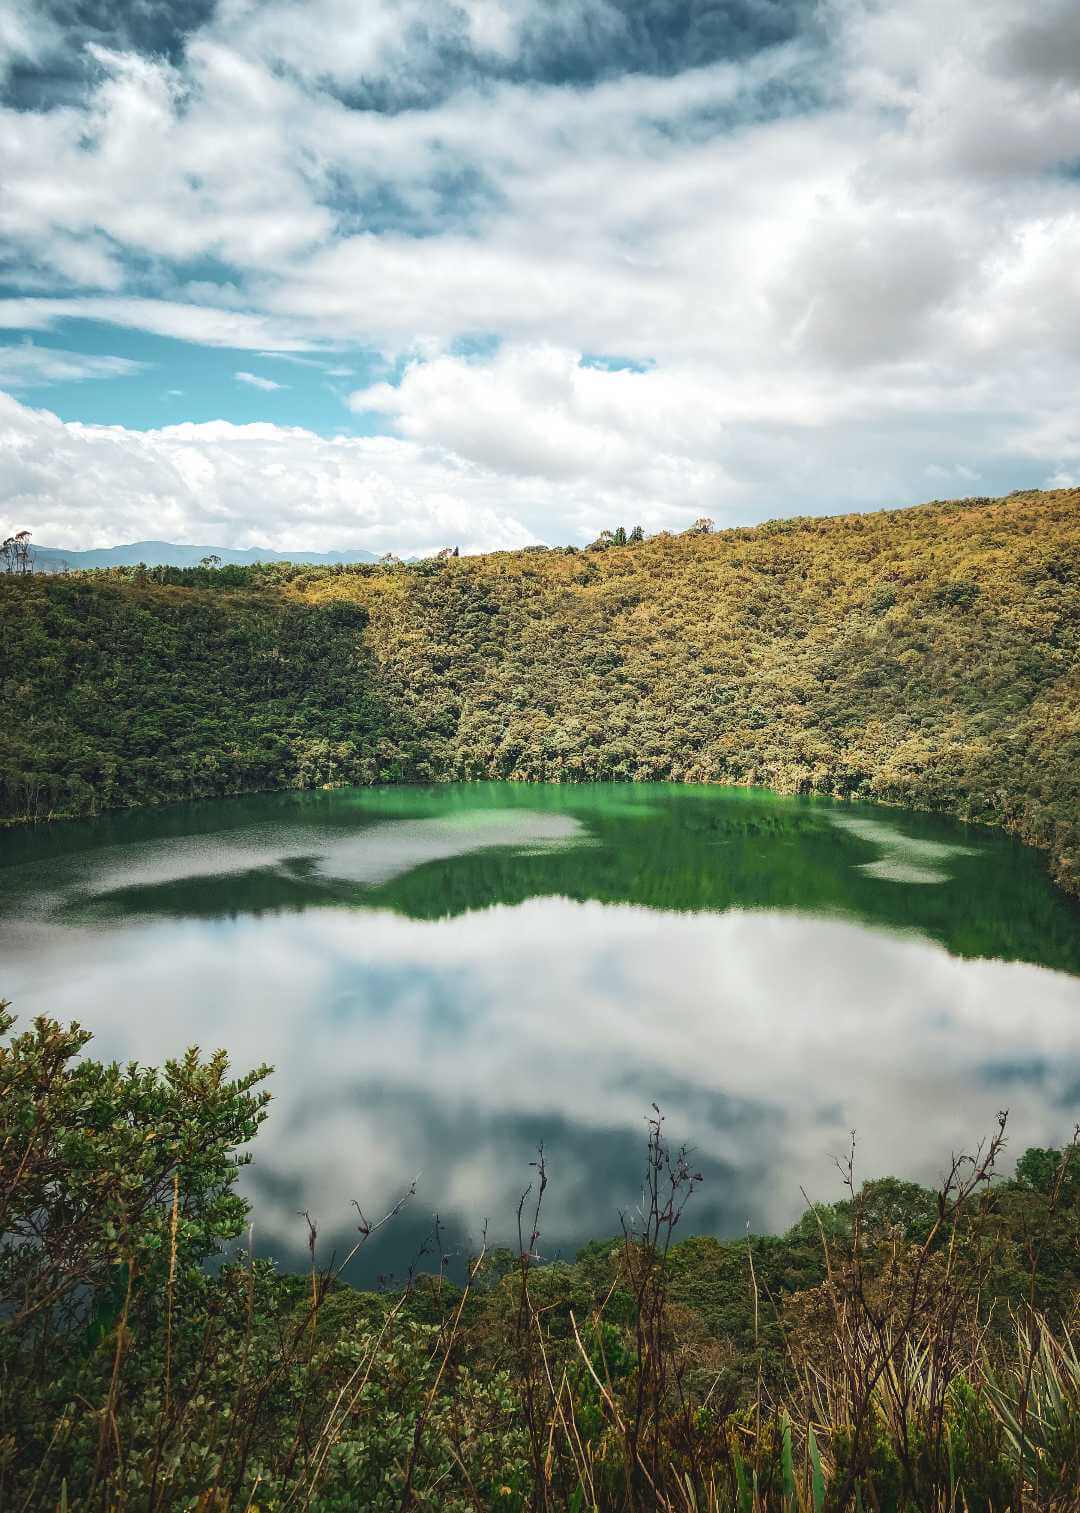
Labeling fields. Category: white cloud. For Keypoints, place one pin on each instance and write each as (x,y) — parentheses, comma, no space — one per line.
(210,326)
(26,366)
(533,444)
(22,37)
(291,357)
(832,300)
(254,381)
(669,443)
(81,485)
(538,412)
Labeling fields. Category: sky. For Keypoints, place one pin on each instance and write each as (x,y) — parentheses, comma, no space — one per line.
(413,273)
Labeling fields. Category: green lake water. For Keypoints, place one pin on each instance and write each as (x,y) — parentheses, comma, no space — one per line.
(443,977)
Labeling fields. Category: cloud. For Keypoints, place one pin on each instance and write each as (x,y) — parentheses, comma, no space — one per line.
(843,240)
(49,41)
(869,287)
(291,357)
(536,443)
(1042,43)
(25,39)
(256,382)
(540,413)
(671,442)
(239,485)
(393,55)
(27,366)
(209,326)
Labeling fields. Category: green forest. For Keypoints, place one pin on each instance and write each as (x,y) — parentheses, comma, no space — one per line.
(925,656)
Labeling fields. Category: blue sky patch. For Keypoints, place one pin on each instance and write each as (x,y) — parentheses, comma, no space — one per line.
(172,381)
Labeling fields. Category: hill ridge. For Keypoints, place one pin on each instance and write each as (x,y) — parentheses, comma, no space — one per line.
(184,554)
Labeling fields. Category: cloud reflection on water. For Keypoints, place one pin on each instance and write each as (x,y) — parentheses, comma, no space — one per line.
(904,858)
(449,1047)
(371,854)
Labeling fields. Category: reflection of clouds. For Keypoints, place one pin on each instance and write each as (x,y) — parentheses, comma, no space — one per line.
(894,869)
(375,856)
(370,853)
(450,1047)
(906,859)
(148,863)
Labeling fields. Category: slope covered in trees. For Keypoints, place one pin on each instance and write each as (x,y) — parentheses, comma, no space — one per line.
(925,656)
(131,693)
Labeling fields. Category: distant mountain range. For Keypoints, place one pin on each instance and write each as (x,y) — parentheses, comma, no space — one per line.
(54,559)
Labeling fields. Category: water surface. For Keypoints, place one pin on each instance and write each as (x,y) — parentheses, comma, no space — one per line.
(444,977)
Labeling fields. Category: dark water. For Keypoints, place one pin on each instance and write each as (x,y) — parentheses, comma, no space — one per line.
(444,977)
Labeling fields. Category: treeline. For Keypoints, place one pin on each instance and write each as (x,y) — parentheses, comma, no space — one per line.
(926,657)
(904,1349)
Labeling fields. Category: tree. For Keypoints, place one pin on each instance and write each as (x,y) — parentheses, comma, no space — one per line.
(636,536)
(619,538)
(701,527)
(17,553)
(1038,1169)
(212,561)
(103,1168)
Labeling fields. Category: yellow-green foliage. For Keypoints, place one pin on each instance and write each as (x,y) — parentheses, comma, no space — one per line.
(925,656)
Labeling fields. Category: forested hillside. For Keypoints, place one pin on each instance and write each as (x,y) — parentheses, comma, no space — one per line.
(926,656)
(133,693)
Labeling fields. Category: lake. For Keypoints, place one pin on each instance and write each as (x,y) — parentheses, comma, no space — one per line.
(444,977)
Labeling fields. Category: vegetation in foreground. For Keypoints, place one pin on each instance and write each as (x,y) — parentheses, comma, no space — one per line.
(926,657)
(900,1350)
